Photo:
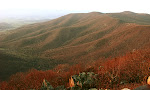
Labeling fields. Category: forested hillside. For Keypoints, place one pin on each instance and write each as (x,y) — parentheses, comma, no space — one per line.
(77,38)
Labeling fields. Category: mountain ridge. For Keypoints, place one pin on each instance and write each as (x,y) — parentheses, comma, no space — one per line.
(70,30)
(82,37)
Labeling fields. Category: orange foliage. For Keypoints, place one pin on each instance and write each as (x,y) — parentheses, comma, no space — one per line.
(33,79)
(132,68)
(71,82)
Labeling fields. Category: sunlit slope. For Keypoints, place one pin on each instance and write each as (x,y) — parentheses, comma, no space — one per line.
(58,32)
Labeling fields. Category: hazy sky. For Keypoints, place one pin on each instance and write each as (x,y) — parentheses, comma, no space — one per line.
(58,7)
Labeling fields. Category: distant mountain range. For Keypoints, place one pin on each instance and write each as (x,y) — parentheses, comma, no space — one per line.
(13,23)
(5,26)
(77,37)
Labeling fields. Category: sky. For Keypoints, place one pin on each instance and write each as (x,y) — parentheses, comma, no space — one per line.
(54,8)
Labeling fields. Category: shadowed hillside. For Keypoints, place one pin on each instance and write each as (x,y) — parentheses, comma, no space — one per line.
(82,37)
(12,62)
